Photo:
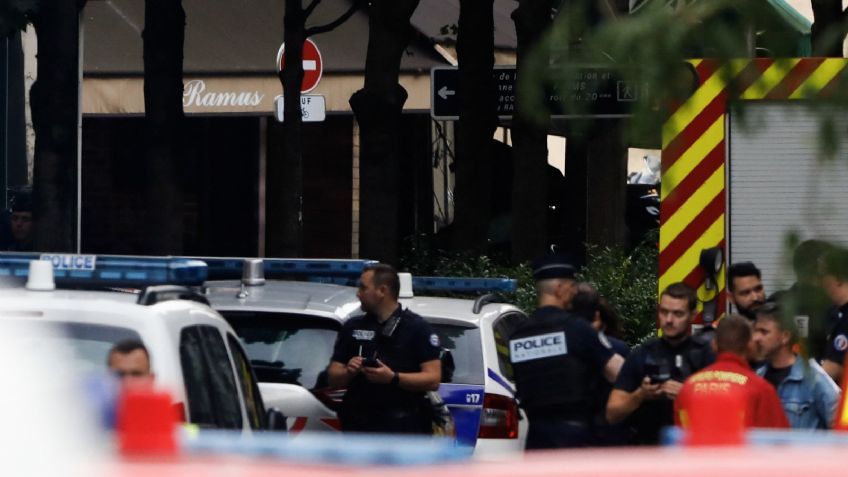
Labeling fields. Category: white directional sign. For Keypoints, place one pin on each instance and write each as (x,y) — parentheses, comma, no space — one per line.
(312,108)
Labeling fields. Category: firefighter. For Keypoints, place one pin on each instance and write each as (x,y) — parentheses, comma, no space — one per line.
(731,378)
(557,358)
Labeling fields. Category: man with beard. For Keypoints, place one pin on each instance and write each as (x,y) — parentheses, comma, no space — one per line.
(654,372)
(388,359)
(745,289)
(808,395)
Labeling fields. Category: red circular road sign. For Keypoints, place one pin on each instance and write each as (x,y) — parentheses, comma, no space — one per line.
(312,64)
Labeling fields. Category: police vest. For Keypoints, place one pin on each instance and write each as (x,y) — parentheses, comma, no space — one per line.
(665,363)
(550,381)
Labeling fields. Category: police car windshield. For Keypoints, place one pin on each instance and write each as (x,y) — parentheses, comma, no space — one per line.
(90,343)
(466,350)
(286,347)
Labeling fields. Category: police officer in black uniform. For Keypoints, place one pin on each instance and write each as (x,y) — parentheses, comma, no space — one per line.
(834,271)
(388,359)
(654,372)
(557,358)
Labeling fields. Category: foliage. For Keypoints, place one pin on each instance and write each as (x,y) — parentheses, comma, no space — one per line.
(420,257)
(15,14)
(628,281)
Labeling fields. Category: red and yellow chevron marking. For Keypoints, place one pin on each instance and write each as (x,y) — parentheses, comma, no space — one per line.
(694,151)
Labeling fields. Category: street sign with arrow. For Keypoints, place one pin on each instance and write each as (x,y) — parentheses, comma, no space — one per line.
(596,88)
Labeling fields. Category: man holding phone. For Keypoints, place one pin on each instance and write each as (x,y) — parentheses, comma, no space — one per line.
(654,372)
(388,359)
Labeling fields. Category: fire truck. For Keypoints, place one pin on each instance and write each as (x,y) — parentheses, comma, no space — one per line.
(750,159)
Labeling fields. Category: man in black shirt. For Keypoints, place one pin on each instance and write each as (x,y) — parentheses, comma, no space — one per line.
(654,372)
(387,359)
(557,358)
(834,271)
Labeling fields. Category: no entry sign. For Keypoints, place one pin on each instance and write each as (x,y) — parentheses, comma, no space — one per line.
(312,65)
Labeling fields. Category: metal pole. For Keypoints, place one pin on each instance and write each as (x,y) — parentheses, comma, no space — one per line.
(4,124)
(263,174)
(79,132)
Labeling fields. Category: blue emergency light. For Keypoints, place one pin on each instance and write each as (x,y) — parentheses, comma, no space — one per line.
(75,270)
(347,272)
(339,271)
(463,285)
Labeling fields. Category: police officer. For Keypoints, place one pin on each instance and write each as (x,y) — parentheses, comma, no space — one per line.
(654,372)
(388,359)
(556,359)
(17,234)
(834,271)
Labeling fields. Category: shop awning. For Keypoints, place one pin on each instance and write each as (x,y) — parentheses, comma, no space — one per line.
(229,57)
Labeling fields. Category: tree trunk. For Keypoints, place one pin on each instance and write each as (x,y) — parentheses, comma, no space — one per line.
(285,174)
(530,149)
(828,30)
(378,107)
(606,178)
(54,105)
(477,123)
(163,38)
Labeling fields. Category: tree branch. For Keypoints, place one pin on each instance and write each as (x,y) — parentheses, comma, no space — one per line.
(308,10)
(338,21)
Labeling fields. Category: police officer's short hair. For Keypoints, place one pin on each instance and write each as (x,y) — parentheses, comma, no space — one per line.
(385,274)
(773,312)
(733,335)
(741,269)
(835,264)
(682,291)
(127,346)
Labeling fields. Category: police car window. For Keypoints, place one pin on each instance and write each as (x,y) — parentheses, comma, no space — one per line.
(91,342)
(222,383)
(210,386)
(249,389)
(466,350)
(503,328)
(195,375)
(285,347)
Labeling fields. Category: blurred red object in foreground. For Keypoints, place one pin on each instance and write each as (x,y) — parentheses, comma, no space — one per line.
(146,423)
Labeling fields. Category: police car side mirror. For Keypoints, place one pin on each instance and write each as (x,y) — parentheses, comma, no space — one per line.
(276,420)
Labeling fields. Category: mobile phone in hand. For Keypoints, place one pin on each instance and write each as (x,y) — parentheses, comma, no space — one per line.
(370,362)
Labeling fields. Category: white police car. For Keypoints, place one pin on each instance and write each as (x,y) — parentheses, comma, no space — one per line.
(289,328)
(195,354)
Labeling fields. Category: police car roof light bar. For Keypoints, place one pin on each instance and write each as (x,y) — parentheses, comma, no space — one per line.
(341,271)
(464,285)
(108,271)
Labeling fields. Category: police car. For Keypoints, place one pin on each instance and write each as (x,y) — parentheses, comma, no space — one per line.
(195,354)
(289,328)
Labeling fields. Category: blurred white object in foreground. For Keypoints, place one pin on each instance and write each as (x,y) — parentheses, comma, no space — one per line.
(47,427)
